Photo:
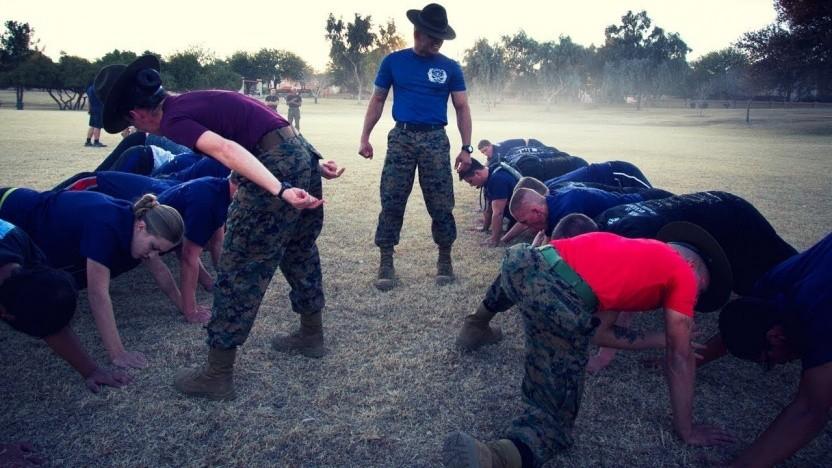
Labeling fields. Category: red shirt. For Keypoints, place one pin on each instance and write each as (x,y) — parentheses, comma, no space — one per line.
(631,274)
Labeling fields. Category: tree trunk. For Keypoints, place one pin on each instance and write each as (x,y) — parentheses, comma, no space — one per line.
(54,98)
(19,97)
(638,102)
(358,82)
(748,111)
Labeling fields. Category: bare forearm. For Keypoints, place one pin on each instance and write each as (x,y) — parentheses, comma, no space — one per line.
(65,344)
(164,279)
(516,230)
(102,312)
(496,225)
(189,274)
(794,427)
(374,110)
(620,337)
(239,160)
(463,122)
(680,378)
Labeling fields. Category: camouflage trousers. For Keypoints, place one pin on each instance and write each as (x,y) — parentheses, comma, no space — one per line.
(408,150)
(293,116)
(264,233)
(558,326)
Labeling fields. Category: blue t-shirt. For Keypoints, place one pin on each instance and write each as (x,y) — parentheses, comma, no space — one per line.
(500,186)
(597,173)
(203,205)
(128,186)
(71,227)
(17,247)
(205,167)
(95,103)
(800,287)
(180,162)
(584,200)
(421,85)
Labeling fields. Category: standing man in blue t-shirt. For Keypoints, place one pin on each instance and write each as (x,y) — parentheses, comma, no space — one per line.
(96,119)
(422,79)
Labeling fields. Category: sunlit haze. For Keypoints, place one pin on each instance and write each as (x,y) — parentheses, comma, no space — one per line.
(91,29)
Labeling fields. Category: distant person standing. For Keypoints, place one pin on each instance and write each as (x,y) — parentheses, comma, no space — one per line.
(96,109)
(422,80)
(294,101)
(272,99)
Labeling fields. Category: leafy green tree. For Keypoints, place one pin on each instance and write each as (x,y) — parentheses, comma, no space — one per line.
(184,70)
(562,69)
(522,62)
(74,75)
(486,70)
(350,43)
(36,71)
(16,47)
(115,57)
(220,75)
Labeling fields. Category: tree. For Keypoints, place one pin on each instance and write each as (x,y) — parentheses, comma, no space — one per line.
(37,71)
(74,75)
(220,75)
(184,70)
(485,67)
(522,61)
(16,47)
(776,61)
(387,40)
(350,43)
(562,68)
(115,57)
(640,53)
(810,25)
(720,74)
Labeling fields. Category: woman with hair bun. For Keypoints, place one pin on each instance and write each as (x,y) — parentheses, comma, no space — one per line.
(95,238)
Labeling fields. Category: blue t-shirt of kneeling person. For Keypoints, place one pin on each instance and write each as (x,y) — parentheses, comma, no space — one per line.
(584,200)
(500,186)
(203,205)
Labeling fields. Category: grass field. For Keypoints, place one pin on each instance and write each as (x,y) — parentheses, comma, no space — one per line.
(392,384)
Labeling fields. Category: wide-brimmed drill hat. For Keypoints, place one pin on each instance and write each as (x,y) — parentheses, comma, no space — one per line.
(703,243)
(117,86)
(432,20)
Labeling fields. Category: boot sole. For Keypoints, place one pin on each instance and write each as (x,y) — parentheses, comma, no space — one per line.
(495,337)
(460,451)
(384,284)
(442,280)
(226,396)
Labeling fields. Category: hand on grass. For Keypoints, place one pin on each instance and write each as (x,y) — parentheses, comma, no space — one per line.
(127,359)
(491,243)
(110,378)
(539,239)
(708,435)
(201,314)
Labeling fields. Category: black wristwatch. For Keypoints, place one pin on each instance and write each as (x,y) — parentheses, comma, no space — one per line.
(468,148)
(283,187)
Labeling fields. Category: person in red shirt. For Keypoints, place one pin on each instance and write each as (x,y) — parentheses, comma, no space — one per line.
(570,292)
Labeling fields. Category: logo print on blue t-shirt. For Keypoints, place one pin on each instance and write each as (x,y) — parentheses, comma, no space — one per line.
(437,75)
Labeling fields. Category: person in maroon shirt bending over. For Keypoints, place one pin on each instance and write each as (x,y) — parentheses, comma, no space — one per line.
(274,218)
(570,292)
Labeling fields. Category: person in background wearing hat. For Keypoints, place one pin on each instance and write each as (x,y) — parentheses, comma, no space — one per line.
(40,301)
(788,316)
(422,79)
(271,222)
(272,99)
(749,241)
(570,292)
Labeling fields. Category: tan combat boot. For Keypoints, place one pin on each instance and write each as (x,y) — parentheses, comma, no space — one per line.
(386,272)
(215,381)
(463,451)
(444,267)
(308,339)
(476,332)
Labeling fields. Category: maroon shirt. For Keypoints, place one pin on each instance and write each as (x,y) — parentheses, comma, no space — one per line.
(229,114)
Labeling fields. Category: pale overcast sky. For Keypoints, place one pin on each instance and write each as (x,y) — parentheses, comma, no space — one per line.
(92,28)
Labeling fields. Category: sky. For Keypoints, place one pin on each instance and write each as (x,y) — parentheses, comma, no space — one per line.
(92,28)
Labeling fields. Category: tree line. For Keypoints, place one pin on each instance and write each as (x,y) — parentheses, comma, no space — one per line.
(23,65)
(790,59)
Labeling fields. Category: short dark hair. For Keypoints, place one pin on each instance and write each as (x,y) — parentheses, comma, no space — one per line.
(41,299)
(474,167)
(744,323)
(483,143)
(574,224)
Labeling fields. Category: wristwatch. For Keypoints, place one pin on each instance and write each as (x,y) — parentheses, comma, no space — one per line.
(468,148)
(283,187)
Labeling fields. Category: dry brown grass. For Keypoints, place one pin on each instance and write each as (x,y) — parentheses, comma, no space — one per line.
(392,385)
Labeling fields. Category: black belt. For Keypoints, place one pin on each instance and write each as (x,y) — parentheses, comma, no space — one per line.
(417,127)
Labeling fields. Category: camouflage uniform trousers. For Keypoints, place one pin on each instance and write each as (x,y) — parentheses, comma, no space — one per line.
(264,233)
(294,116)
(408,150)
(558,326)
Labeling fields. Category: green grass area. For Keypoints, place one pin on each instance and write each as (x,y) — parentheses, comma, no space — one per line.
(392,385)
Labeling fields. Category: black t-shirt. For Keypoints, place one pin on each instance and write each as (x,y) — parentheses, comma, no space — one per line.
(749,241)
(17,247)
